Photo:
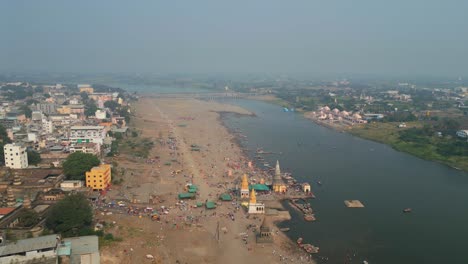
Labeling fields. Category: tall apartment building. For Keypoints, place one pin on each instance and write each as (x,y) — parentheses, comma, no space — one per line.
(99,178)
(47,108)
(86,134)
(47,126)
(16,156)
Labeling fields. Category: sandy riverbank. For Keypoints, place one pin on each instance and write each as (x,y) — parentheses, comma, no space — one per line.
(175,239)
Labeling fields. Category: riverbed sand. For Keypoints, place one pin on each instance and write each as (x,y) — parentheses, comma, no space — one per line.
(187,234)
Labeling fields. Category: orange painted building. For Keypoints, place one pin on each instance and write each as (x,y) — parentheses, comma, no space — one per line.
(99,178)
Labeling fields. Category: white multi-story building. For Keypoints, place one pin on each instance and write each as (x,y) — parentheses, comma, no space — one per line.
(47,126)
(92,148)
(87,134)
(16,156)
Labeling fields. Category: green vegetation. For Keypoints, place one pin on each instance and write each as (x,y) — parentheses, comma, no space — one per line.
(4,139)
(26,111)
(112,105)
(33,157)
(77,164)
(139,147)
(114,149)
(433,140)
(13,93)
(90,107)
(71,216)
(28,218)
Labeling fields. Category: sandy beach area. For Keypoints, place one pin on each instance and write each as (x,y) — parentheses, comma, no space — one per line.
(187,234)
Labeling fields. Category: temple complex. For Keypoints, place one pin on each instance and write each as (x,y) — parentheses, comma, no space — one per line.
(278,184)
(254,207)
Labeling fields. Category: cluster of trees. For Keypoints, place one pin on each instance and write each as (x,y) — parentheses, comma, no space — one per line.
(445,146)
(400,117)
(4,139)
(33,157)
(26,110)
(453,148)
(71,216)
(28,218)
(77,164)
(13,93)
(417,135)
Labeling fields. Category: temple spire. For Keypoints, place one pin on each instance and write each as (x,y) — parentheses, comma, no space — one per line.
(245,183)
(253,197)
(277,169)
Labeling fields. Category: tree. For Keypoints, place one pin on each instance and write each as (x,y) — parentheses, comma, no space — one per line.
(70,215)
(28,218)
(26,110)
(90,108)
(112,105)
(4,140)
(33,157)
(78,163)
(32,101)
(84,96)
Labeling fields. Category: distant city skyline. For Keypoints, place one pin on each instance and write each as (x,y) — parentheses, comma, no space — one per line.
(322,37)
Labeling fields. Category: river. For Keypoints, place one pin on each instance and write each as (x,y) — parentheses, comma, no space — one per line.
(384,180)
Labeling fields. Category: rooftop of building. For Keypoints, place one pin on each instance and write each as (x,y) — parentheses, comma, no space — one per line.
(83,244)
(29,244)
(86,127)
(100,167)
(6,210)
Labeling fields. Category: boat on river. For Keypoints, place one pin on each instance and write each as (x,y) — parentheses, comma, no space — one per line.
(311,249)
(407,210)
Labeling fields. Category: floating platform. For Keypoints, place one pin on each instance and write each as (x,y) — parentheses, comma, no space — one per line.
(353,204)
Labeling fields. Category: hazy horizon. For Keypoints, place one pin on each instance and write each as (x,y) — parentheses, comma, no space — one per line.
(322,37)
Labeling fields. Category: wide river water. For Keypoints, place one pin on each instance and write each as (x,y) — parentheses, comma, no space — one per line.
(384,180)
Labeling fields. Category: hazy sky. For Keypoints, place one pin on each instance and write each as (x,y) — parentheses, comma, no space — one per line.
(317,36)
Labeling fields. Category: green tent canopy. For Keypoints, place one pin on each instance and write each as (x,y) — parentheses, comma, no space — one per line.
(210,205)
(192,189)
(186,196)
(259,187)
(225,197)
